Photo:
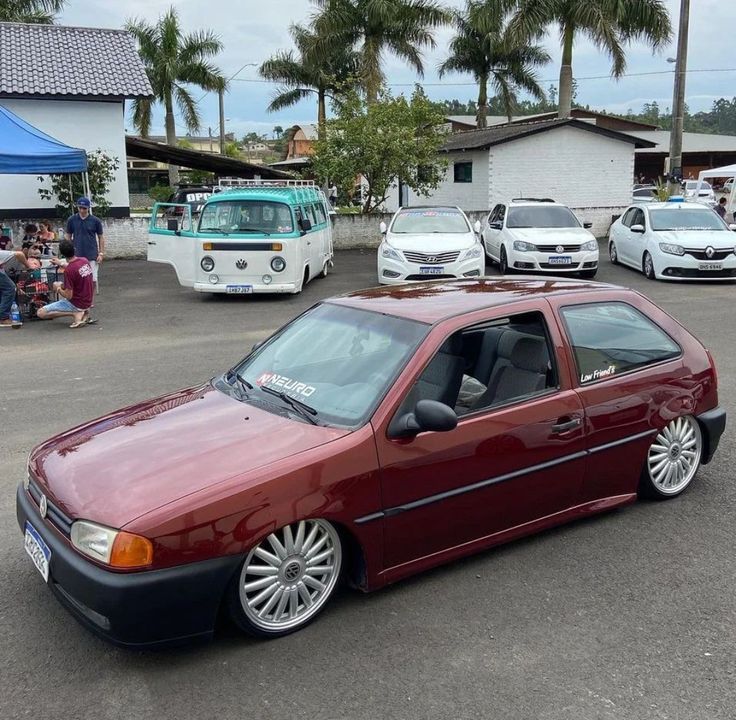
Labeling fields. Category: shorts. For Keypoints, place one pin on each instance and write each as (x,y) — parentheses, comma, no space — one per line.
(62,305)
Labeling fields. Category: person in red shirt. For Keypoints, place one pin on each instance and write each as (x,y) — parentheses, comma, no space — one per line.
(76,292)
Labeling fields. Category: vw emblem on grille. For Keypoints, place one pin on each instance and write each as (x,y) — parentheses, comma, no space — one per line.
(292,571)
(560,249)
(43,506)
(241,264)
(709,252)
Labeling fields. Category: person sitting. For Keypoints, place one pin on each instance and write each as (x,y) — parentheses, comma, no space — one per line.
(76,292)
(6,242)
(29,234)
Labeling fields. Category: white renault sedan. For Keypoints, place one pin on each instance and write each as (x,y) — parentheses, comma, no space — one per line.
(539,235)
(674,241)
(425,243)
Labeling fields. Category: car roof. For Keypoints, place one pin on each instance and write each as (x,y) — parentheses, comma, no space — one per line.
(432,302)
(669,205)
(409,208)
(532,202)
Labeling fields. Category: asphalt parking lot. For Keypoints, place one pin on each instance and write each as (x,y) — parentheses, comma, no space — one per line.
(628,615)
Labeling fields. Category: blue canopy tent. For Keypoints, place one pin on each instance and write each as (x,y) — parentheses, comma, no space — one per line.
(25,150)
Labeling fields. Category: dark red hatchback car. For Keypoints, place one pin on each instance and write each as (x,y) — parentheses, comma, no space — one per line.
(377,435)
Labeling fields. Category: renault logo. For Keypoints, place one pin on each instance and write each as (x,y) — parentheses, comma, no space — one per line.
(43,506)
(709,252)
(241,264)
(560,248)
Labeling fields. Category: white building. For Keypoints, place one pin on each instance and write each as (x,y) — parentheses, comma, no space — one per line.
(70,83)
(587,167)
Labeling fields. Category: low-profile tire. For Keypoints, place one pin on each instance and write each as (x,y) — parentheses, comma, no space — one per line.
(503,262)
(647,266)
(588,274)
(287,579)
(613,253)
(673,459)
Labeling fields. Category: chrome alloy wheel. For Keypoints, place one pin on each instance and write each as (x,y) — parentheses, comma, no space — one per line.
(674,456)
(289,576)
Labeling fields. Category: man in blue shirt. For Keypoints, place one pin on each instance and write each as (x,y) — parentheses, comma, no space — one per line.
(85,231)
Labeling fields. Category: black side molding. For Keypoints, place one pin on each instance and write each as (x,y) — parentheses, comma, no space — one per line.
(712,424)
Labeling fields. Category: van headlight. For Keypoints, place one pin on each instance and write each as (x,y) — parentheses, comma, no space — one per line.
(671,249)
(388,252)
(522,246)
(207,263)
(590,246)
(475,252)
(278,264)
(112,547)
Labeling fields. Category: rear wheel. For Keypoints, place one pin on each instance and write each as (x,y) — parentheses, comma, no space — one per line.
(647,267)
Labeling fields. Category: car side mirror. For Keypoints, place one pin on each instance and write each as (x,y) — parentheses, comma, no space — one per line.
(477,227)
(587,225)
(637,228)
(382,227)
(428,416)
(732,226)
(495,225)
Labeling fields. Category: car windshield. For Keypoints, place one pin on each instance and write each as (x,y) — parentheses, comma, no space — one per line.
(337,360)
(430,220)
(541,216)
(682,218)
(246,216)
(692,184)
(644,192)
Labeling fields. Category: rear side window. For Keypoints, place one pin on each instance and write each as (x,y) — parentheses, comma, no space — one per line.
(613,338)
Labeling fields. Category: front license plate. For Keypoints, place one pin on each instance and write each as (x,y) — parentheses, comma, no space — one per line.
(434,270)
(238,289)
(560,260)
(710,266)
(38,550)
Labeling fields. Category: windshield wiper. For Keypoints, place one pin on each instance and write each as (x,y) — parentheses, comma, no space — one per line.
(302,409)
(232,378)
(255,230)
(213,229)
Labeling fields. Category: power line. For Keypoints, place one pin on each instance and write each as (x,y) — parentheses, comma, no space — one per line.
(232,77)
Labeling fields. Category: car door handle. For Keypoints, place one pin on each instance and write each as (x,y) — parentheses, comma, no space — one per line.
(566,425)
(150,242)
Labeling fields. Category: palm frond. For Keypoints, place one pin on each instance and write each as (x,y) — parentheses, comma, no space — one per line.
(286,97)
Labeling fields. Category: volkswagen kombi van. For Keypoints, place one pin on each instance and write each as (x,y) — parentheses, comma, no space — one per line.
(270,236)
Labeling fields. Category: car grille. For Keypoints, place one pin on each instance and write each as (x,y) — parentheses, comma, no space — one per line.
(61,521)
(553,248)
(691,273)
(430,277)
(431,258)
(717,255)
(549,266)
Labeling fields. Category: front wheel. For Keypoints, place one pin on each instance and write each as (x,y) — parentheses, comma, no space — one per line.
(673,459)
(648,267)
(503,262)
(287,579)
(325,269)
(613,253)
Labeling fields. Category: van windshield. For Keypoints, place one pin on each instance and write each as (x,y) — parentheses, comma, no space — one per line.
(246,216)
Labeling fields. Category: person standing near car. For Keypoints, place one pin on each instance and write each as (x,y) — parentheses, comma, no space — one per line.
(721,208)
(332,194)
(85,231)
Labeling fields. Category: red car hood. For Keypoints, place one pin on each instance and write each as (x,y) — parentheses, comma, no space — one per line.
(135,460)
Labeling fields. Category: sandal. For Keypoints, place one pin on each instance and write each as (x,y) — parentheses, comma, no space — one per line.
(79,324)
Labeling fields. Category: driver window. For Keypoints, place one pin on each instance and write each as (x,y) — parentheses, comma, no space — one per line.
(628,217)
(488,365)
(494,214)
(639,218)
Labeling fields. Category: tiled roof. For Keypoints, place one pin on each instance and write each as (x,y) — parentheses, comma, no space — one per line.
(70,61)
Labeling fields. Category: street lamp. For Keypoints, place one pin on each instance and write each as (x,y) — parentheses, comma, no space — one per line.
(221,97)
(678,98)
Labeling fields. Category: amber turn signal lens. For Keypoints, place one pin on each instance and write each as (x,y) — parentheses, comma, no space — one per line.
(277,247)
(129,551)
(206,246)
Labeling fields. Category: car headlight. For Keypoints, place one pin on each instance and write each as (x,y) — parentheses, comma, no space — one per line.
(278,264)
(671,249)
(475,252)
(207,263)
(590,246)
(522,246)
(113,547)
(388,252)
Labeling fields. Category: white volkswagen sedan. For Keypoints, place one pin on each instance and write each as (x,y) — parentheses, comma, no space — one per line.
(674,241)
(539,235)
(425,243)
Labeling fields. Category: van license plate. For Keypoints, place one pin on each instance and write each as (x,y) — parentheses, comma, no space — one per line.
(560,260)
(710,266)
(238,289)
(433,270)
(38,550)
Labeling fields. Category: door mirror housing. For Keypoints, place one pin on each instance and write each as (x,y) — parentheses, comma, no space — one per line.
(732,226)
(637,228)
(477,227)
(495,225)
(587,225)
(428,416)
(382,227)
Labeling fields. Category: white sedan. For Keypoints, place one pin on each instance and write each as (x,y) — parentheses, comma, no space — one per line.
(674,241)
(425,243)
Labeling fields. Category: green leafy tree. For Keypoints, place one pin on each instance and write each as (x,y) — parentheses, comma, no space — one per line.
(609,24)
(382,141)
(401,27)
(483,47)
(101,169)
(38,12)
(174,62)
(278,131)
(316,68)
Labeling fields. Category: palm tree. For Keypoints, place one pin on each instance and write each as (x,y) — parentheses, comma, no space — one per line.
(39,12)
(610,24)
(402,27)
(173,61)
(317,67)
(484,47)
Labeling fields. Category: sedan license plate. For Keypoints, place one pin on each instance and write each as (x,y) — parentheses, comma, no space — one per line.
(560,260)
(433,270)
(38,550)
(710,266)
(238,289)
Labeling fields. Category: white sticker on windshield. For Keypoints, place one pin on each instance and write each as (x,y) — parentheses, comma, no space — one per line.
(598,374)
(286,384)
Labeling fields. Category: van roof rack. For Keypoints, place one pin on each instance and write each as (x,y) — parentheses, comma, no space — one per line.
(527,199)
(231,182)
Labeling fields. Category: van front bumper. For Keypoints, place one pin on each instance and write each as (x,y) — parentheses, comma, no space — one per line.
(254,288)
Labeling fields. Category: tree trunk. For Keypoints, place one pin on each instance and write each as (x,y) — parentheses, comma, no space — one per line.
(565,97)
(482,112)
(372,70)
(171,140)
(321,113)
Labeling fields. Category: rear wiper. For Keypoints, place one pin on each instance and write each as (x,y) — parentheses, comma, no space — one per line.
(232,378)
(302,409)
(254,230)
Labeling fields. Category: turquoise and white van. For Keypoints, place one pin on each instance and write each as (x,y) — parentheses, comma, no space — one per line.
(261,236)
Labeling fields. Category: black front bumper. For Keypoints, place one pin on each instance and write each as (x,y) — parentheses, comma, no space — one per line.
(139,609)
(712,424)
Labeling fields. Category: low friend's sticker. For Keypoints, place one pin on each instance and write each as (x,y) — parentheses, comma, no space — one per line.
(289,386)
(598,374)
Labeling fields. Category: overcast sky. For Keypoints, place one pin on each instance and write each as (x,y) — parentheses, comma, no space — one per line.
(252,31)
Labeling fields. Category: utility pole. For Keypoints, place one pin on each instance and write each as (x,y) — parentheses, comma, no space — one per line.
(678,100)
(221,94)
